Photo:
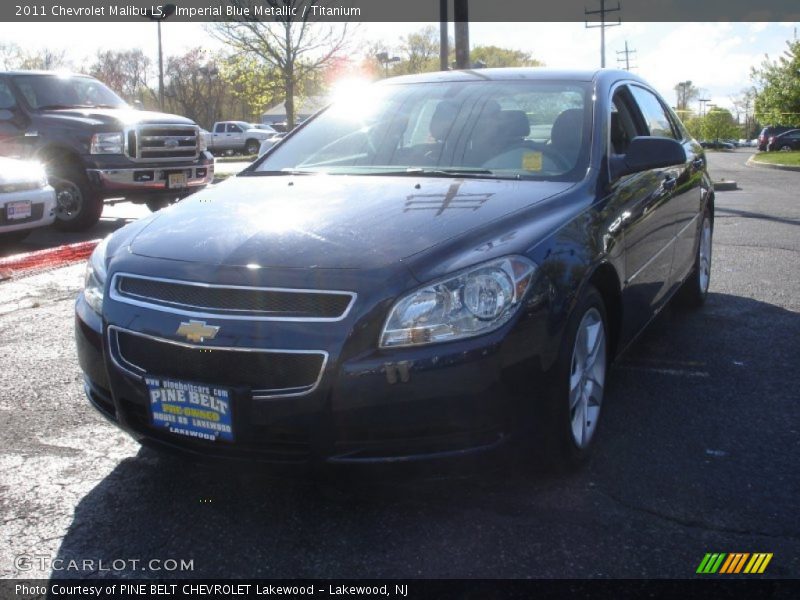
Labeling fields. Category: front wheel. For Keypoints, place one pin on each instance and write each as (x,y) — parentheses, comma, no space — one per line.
(78,206)
(566,423)
(252,147)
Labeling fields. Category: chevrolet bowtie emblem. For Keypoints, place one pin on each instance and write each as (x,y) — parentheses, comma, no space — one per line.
(198,331)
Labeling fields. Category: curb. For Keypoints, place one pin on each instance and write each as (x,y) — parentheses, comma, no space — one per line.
(725,186)
(754,163)
(41,260)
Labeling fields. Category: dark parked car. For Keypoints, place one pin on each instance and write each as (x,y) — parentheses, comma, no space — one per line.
(770,132)
(717,145)
(789,140)
(412,274)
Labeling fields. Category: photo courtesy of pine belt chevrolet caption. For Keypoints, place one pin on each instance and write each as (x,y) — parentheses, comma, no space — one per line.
(433,266)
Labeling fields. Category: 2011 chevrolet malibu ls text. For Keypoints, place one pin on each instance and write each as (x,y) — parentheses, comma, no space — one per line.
(432,266)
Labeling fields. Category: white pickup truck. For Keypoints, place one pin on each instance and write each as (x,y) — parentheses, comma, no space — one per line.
(231,137)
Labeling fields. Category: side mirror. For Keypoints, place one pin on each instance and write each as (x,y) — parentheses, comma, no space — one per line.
(646,153)
(5,114)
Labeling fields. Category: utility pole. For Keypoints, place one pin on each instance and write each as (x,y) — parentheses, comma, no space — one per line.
(602,12)
(461,25)
(627,54)
(444,44)
(702,101)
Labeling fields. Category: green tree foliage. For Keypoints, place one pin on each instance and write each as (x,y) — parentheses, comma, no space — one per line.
(778,85)
(494,56)
(719,124)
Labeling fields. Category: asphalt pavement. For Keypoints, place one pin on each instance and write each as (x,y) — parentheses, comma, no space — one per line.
(697,452)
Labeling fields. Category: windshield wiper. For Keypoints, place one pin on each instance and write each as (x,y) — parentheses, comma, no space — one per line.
(448,171)
(59,106)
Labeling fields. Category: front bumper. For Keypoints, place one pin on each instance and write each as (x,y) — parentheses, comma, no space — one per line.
(43,209)
(147,179)
(409,405)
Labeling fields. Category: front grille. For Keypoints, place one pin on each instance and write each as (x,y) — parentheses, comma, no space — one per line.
(266,372)
(265,303)
(163,142)
(37,210)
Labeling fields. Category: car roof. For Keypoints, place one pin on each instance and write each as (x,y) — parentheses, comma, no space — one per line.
(37,72)
(515,74)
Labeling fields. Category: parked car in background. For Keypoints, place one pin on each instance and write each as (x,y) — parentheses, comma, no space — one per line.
(263,126)
(717,145)
(270,142)
(414,274)
(95,146)
(26,199)
(768,132)
(786,141)
(236,137)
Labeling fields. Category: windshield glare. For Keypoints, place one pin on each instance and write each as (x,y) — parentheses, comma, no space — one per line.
(43,91)
(504,129)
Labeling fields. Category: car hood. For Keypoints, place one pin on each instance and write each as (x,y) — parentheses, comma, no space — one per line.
(330,221)
(113,116)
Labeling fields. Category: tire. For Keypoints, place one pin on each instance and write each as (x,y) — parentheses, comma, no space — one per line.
(566,422)
(251,147)
(786,148)
(78,206)
(157,204)
(694,290)
(13,237)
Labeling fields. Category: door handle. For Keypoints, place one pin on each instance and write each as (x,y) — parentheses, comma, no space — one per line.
(669,183)
(698,163)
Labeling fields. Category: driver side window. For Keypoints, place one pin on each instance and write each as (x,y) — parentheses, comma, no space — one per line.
(7,101)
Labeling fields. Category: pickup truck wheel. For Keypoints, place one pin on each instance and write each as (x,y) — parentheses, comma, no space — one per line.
(252,146)
(158,203)
(78,207)
(230,152)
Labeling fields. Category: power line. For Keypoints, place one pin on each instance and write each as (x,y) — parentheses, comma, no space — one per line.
(602,25)
(627,52)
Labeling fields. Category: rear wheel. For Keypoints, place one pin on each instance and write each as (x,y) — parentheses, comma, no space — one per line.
(78,206)
(251,147)
(566,423)
(786,148)
(695,288)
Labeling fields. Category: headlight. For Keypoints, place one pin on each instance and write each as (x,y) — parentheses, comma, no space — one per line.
(95,279)
(473,302)
(107,143)
(202,141)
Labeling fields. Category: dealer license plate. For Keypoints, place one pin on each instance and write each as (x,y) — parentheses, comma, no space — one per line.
(18,210)
(176,180)
(193,410)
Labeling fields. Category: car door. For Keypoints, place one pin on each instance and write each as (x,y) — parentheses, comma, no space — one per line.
(218,135)
(11,130)
(234,136)
(686,199)
(646,219)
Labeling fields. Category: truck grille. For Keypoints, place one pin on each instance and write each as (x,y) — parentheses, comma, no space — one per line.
(269,373)
(198,299)
(162,143)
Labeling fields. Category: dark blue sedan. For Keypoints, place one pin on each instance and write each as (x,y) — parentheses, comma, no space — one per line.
(431,266)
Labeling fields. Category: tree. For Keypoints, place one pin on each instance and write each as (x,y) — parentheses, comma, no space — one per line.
(494,56)
(10,56)
(743,106)
(125,71)
(45,60)
(778,83)
(718,124)
(194,88)
(685,92)
(420,52)
(295,47)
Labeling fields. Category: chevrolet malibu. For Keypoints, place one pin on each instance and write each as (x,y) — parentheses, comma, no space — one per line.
(432,266)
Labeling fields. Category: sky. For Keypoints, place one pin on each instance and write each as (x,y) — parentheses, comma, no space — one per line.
(716,57)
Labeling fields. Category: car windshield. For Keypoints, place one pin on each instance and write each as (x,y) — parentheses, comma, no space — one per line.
(55,91)
(497,129)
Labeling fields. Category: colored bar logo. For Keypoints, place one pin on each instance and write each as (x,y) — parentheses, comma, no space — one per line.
(734,563)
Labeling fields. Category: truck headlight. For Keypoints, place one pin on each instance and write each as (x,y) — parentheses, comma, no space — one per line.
(95,279)
(202,141)
(107,143)
(466,304)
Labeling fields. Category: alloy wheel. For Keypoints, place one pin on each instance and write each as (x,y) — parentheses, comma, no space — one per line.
(587,377)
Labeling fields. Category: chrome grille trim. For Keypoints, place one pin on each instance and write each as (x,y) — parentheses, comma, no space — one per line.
(256,394)
(138,142)
(211,313)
